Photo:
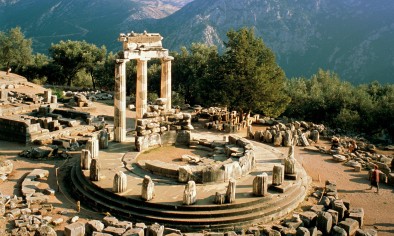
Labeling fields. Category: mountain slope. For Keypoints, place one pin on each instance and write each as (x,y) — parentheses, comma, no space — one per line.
(96,21)
(351,37)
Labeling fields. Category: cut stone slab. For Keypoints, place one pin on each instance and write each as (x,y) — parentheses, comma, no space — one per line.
(349,225)
(75,229)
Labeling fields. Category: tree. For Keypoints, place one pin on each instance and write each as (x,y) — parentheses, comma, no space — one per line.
(191,72)
(253,79)
(15,50)
(72,56)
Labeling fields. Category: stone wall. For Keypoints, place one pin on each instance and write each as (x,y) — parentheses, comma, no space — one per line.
(160,127)
(237,155)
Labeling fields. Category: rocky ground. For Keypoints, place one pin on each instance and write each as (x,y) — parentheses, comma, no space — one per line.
(352,185)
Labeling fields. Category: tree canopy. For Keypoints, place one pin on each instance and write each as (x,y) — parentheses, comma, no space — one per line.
(15,50)
(72,56)
(253,79)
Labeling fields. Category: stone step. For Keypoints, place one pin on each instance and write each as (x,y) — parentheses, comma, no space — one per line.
(194,217)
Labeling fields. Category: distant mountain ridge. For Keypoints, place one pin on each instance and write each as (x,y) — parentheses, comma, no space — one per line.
(354,38)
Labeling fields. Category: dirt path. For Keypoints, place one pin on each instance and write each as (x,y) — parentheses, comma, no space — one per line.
(378,208)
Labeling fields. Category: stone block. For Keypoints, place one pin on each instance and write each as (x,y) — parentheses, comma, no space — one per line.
(183,137)
(278,175)
(317,208)
(46,230)
(110,221)
(260,185)
(155,230)
(308,218)
(349,225)
(100,234)
(338,231)
(190,193)
(302,231)
(357,214)
(114,231)
(230,193)
(92,226)
(134,232)
(334,214)
(185,174)
(366,232)
(75,229)
(147,191)
(340,208)
(324,222)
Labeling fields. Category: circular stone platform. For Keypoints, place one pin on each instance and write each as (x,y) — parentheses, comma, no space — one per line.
(167,206)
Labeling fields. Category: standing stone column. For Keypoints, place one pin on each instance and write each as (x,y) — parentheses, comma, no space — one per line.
(141,95)
(95,170)
(120,182)
(278,175)
(103,139)
(230,194)
(93,146)
(147,192)
(53,99)
(165,85)
(290,162)
(190,193)
(47,96)
(260,185)
(120,101)
(86,158)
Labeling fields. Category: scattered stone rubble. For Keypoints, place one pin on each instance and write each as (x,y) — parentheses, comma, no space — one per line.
(6,168)
(281,134)
(220,119)
(89,95)
(330,216)
(363,157)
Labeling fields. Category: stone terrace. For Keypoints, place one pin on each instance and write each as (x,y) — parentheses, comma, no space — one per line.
(167,205)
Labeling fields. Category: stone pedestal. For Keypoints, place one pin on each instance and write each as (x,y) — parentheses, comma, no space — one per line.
(120,182)
(53,99)
(230,193)
(93,146)
(147,192)
(95,170)
(47,96)
(190,193)
(3,95)
(278,175)
(288,138)
(103,139)
(260,185)
(86,159)
(120,101)
(290,165)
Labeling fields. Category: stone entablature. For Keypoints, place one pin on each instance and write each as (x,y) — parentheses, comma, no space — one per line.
(237,157)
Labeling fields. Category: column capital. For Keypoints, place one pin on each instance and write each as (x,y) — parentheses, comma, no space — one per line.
(120,61)
(167,58)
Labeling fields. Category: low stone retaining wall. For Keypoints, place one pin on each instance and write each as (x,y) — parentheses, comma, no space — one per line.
(237,155)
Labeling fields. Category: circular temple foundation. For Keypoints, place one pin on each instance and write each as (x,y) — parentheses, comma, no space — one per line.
(167,206)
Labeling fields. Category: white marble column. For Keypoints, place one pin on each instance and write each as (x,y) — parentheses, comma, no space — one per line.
(141,103)
(165,85)
(120,101)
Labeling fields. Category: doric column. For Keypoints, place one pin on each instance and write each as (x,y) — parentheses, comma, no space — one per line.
(120,101)
(165,86)
(141,95)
